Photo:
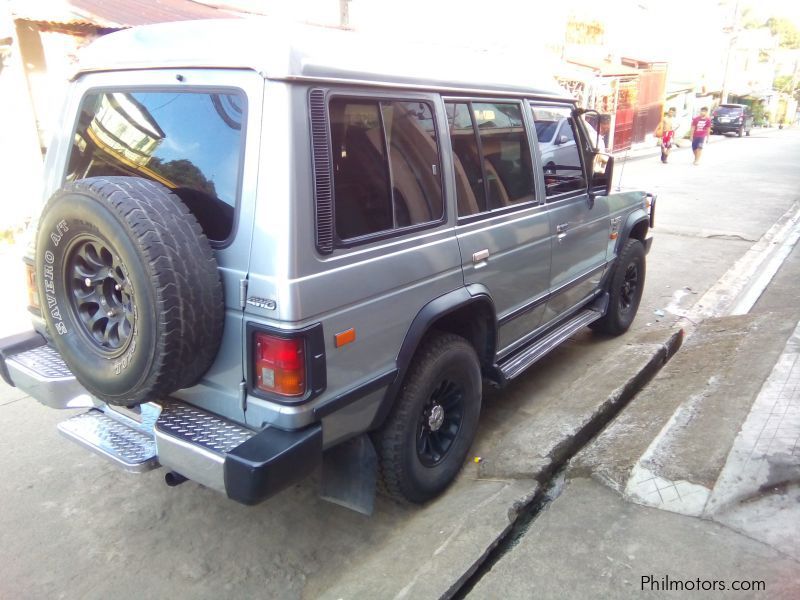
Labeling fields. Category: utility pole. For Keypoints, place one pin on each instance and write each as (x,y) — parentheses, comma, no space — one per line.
(344,13)
(734,35)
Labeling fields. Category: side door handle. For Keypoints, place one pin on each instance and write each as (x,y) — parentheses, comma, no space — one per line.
(480,256)
(562,231)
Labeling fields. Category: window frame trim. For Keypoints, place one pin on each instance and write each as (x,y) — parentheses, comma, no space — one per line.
(548,200)
(187,89)
(380,96)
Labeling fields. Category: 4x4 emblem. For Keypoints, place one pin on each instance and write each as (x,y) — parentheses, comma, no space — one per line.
(262,303)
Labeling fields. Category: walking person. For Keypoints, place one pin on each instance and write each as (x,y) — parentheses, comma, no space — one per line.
(666,133)
(701,128)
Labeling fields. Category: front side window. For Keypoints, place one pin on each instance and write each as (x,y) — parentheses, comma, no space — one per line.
(563,170)
(190,142)
(491,154)
(385,166)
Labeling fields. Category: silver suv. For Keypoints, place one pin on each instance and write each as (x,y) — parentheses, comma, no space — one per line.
(296,247)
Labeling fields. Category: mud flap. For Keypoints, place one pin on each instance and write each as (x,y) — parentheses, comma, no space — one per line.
(349,475)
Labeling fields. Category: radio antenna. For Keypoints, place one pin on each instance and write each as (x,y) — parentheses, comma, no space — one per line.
(622,170)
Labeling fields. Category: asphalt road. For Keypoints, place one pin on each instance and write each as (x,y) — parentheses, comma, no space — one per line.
(73,526)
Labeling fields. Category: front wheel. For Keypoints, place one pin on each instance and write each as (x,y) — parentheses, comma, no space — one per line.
(625,293)
(740,132)
(425,439)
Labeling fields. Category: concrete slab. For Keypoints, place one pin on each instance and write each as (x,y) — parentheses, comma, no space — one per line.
(553,428)
(758,491)
(681,427)
(590,543)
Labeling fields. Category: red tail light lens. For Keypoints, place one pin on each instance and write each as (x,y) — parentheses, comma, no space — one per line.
(280,364)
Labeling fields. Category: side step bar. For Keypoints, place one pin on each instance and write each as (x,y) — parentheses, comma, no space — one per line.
(524,358)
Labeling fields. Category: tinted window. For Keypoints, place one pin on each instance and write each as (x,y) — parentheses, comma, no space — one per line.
(469,175)
(386,166)
(188,141)
(728,111)
(563,170)
(495,170)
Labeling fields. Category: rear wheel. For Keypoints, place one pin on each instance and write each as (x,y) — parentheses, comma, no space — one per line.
(627,284)
(425,439)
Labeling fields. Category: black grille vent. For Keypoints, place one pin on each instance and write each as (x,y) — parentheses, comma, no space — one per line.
(323,171)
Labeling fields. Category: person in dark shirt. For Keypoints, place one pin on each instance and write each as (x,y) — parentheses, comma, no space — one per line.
(701,127)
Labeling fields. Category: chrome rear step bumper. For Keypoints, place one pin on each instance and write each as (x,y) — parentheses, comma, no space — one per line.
(247,465)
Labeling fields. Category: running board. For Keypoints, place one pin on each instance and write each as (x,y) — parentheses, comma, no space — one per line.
(126,440)
(523,359)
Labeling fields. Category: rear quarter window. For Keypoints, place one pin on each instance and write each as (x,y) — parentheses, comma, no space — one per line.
(189,141)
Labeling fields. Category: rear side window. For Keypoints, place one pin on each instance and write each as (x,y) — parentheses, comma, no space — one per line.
(561,160)
(491,154)
(191,142)
(385,166)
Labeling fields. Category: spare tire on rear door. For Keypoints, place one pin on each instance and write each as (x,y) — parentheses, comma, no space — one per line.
(129,288)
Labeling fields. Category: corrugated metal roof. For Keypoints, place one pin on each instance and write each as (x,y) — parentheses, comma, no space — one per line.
(51,12)
(129,13)
(114,14)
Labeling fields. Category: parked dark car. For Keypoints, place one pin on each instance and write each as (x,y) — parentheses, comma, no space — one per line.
(732,118)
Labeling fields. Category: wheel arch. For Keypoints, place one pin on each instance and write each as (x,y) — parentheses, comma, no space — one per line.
(468,312)
(636,227)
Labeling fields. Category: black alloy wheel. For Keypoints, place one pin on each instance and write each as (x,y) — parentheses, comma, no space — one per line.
(440,422)
(424,441)
(630,287)
(100,294)
(625,290)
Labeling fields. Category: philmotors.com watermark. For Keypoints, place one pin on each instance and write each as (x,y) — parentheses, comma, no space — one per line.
(666,583)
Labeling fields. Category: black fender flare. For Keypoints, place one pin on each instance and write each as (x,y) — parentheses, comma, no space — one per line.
(474,294)
(634,219)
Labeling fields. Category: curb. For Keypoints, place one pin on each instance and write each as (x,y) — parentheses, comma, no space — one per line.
(525,511)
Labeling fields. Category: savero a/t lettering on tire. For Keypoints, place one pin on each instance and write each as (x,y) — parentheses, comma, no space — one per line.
(248,267)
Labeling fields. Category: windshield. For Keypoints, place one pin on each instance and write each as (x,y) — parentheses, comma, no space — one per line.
(726,111)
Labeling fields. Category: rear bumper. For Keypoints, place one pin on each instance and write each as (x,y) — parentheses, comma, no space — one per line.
(249,466)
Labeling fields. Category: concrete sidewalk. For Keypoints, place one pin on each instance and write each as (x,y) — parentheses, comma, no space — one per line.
(596,542)
(695,486)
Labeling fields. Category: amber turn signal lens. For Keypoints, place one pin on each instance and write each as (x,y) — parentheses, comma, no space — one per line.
(345,337)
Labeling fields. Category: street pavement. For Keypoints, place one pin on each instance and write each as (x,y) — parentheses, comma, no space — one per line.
(73,526)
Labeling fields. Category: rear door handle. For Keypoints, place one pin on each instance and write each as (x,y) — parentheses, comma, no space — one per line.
(562,231)
(480,255)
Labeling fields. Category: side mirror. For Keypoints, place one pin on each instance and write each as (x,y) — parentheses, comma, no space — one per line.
(601,174)
(562,139)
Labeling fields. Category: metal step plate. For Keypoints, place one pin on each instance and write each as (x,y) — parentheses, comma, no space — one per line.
(201,428)
(41,373)
(130,446)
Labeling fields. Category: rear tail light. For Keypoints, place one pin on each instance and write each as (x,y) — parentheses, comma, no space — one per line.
(279,364)
(33,293)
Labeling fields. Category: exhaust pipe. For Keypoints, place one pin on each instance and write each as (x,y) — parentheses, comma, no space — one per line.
(172,479)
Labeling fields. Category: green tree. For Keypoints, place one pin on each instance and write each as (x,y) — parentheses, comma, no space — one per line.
(783,83)
(786,31)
